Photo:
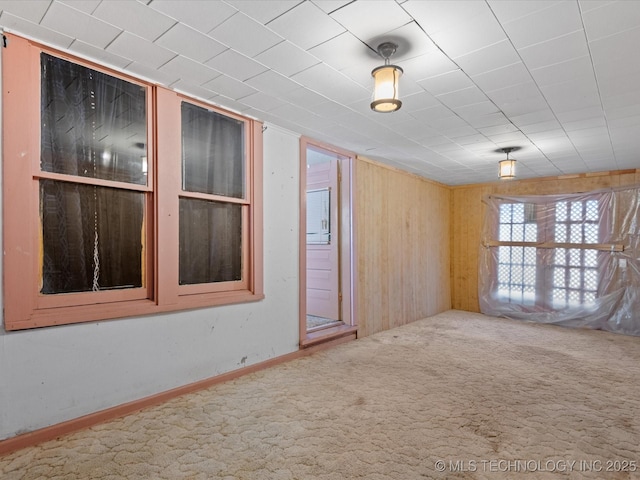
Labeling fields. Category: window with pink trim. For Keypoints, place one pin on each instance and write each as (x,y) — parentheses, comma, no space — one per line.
(121,198)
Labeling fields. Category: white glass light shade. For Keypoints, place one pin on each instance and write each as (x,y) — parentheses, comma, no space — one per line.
(385,88)
(507,168)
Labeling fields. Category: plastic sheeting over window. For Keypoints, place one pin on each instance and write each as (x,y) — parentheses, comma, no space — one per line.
(571,260)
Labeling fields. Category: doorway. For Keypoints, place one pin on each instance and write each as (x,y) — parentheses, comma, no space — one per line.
(326,283)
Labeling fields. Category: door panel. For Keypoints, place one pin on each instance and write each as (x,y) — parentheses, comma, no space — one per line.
(323,272)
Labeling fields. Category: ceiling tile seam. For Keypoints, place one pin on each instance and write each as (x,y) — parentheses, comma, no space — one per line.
(283,13)
(47,11)
(339,8)
(539,90)
(595,75)
(176,23)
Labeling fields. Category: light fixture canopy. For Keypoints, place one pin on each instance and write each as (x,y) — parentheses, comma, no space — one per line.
(507,167)
(385,81)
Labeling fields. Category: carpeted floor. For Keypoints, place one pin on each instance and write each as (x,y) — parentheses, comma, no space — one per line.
(457,395)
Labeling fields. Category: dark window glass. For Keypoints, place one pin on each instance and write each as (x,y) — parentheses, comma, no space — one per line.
(212,152)
(93,124)
(91,237)
(210,241)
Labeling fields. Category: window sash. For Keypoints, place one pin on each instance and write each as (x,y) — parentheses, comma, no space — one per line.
(25,307)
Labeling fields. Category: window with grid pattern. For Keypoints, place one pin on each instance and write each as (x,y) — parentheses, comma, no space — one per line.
(575,277)
(517,265)
(523,276)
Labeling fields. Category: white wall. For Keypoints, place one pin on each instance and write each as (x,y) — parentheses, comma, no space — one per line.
(54,374)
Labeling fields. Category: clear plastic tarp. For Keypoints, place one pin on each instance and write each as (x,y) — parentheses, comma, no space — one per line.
(571,260)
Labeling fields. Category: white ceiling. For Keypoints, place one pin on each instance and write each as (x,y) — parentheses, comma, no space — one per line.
(559,79)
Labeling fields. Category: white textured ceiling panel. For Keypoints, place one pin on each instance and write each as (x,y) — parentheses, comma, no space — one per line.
(557,78)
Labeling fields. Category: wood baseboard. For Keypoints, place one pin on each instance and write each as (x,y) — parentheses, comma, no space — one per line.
(54,431)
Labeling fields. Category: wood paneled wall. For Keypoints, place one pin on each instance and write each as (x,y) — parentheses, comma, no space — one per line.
(402,225)
(467,212)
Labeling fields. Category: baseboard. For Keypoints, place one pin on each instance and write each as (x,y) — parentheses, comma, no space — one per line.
(54,431)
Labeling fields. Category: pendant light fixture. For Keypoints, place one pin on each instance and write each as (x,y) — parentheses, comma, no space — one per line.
(385,79)
(507,167)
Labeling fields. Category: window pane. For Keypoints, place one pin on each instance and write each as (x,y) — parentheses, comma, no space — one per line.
(93,124)
(92,237)
(518,213)
(213,155)
(210,241)
(561,233)
(561,211)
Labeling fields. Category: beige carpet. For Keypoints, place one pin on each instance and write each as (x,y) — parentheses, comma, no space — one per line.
(491,398)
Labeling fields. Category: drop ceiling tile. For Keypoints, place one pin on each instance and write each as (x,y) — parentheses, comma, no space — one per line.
(151,74)
(480,109)
(611,19)
(19,25)
(134,17)
(188,70)
(524,107)
(229,87)
(580,67)
(236,65)
(75,23)
(330,109)
(287,58)
(366,22)
(498,129)
(559,19)
(437,15)
(273,83)
(514,9)
(508,76)
(473,139)
(582,113)
(262,101)
(418,101)
(471,35)
(498,55)
(511,137)
(570,96)
(263,12)
(245,35)
(491,120)
(140,50)
(514,93)
(541,127)
(305,98)
(306,26)
(467,96)
(329,6)
(98,55)
(411,40)
(557,50)
(192,90)
(201,15)
(228,103)
(584,125)
(340,51)
(611,54)
(190,43)
(446,83)
(32,11)
(588,5)
(428,65)
(332,84)
(86,6)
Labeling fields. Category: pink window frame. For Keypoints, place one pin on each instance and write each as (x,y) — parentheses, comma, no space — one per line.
(24,306)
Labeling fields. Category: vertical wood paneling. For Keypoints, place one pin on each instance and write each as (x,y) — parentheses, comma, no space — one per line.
(403,247)
(467,215)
